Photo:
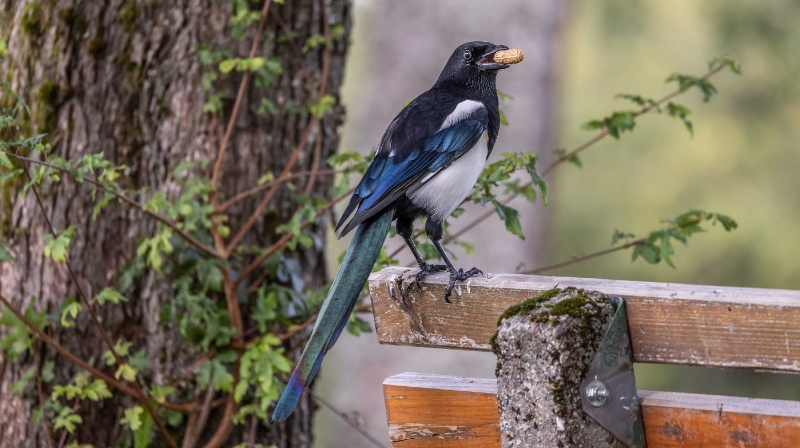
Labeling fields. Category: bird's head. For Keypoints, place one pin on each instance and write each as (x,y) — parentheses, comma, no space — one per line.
(475,62)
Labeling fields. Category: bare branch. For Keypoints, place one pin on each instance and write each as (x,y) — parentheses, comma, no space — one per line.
(237,104)
(574,260)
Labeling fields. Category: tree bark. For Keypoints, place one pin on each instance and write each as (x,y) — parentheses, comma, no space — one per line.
(122,77)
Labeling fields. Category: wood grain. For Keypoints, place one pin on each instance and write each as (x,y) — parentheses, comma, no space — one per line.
(669,323)
(426,411)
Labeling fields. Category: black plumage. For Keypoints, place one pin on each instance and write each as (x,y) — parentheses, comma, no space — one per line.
(431,133)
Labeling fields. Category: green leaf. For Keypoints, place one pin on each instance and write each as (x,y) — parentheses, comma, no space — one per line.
(56,246)
(140,361)
(160,393)
(18,387)
(617,235)
(47,374)
(723,61)
(503,118)
(510,217)
(71,310)
(648,252)
(267,106)
(132,418)
(227,65)
(4,160)
(5,256)
(67,420)
(110,295)
(253,64)
(269,177)
(727,222)
(97,390)
(337,31)
(127,372)
(142,436)
(325,104)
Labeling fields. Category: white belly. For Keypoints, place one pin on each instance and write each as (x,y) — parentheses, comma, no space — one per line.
(442,193)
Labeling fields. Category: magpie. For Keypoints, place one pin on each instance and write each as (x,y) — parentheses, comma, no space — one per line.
(426,163)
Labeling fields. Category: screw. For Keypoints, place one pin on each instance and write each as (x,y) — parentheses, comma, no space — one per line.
(597,393)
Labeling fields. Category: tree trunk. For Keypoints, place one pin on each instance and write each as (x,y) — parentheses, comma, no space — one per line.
(122,77)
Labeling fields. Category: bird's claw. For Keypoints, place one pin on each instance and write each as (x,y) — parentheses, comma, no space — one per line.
(424,270)
(456,276)
(427,269)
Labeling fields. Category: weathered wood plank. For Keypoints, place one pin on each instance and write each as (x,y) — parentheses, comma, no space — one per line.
(426,411)
(669,323)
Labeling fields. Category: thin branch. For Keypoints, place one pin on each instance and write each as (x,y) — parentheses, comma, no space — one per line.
(314,161)
(226,425)
(122,197)
(245,194)
(139,392)
(347,419)
(574,260)
(251,220)
(312,122)
(284,239)
(66,353)
(549,169)
(237,104)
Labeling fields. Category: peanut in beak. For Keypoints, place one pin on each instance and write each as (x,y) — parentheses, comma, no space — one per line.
(511,56)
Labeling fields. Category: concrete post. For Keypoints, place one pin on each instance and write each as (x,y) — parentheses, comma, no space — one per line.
(543,347)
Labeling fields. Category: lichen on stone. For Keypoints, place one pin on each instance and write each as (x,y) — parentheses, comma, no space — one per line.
(544,347)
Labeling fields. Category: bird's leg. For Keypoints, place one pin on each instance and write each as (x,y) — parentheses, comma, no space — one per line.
(405,229)
(435,233)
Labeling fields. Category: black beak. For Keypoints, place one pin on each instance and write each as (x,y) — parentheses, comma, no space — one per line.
(486,62)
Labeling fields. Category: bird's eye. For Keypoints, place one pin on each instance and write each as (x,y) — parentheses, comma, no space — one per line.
(467,54)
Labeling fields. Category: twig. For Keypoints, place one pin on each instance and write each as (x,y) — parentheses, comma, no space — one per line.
(284,239)
(574,260)
(138,391)
(253,425)
(237,104)
(245,194)
(45,422)
(549,169)
(312,122)
(251,220)
(226,425)
(64,431)
(169,223)
(66,353)
(347,419)
(314,161)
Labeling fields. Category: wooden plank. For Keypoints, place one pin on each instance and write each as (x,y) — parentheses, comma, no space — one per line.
(669,323)
(439,411)
(426,411)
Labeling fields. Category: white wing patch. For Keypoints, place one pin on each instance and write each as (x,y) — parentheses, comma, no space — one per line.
(462,110)
(441,192)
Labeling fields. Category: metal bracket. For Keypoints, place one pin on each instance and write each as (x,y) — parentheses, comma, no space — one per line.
(608,391)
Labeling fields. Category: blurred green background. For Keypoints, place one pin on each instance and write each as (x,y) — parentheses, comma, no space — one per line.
(742,161)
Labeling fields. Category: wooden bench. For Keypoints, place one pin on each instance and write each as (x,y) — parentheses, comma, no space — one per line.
(668,323)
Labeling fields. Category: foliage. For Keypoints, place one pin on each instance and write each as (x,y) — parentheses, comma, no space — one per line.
(237,324)
(658,246)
